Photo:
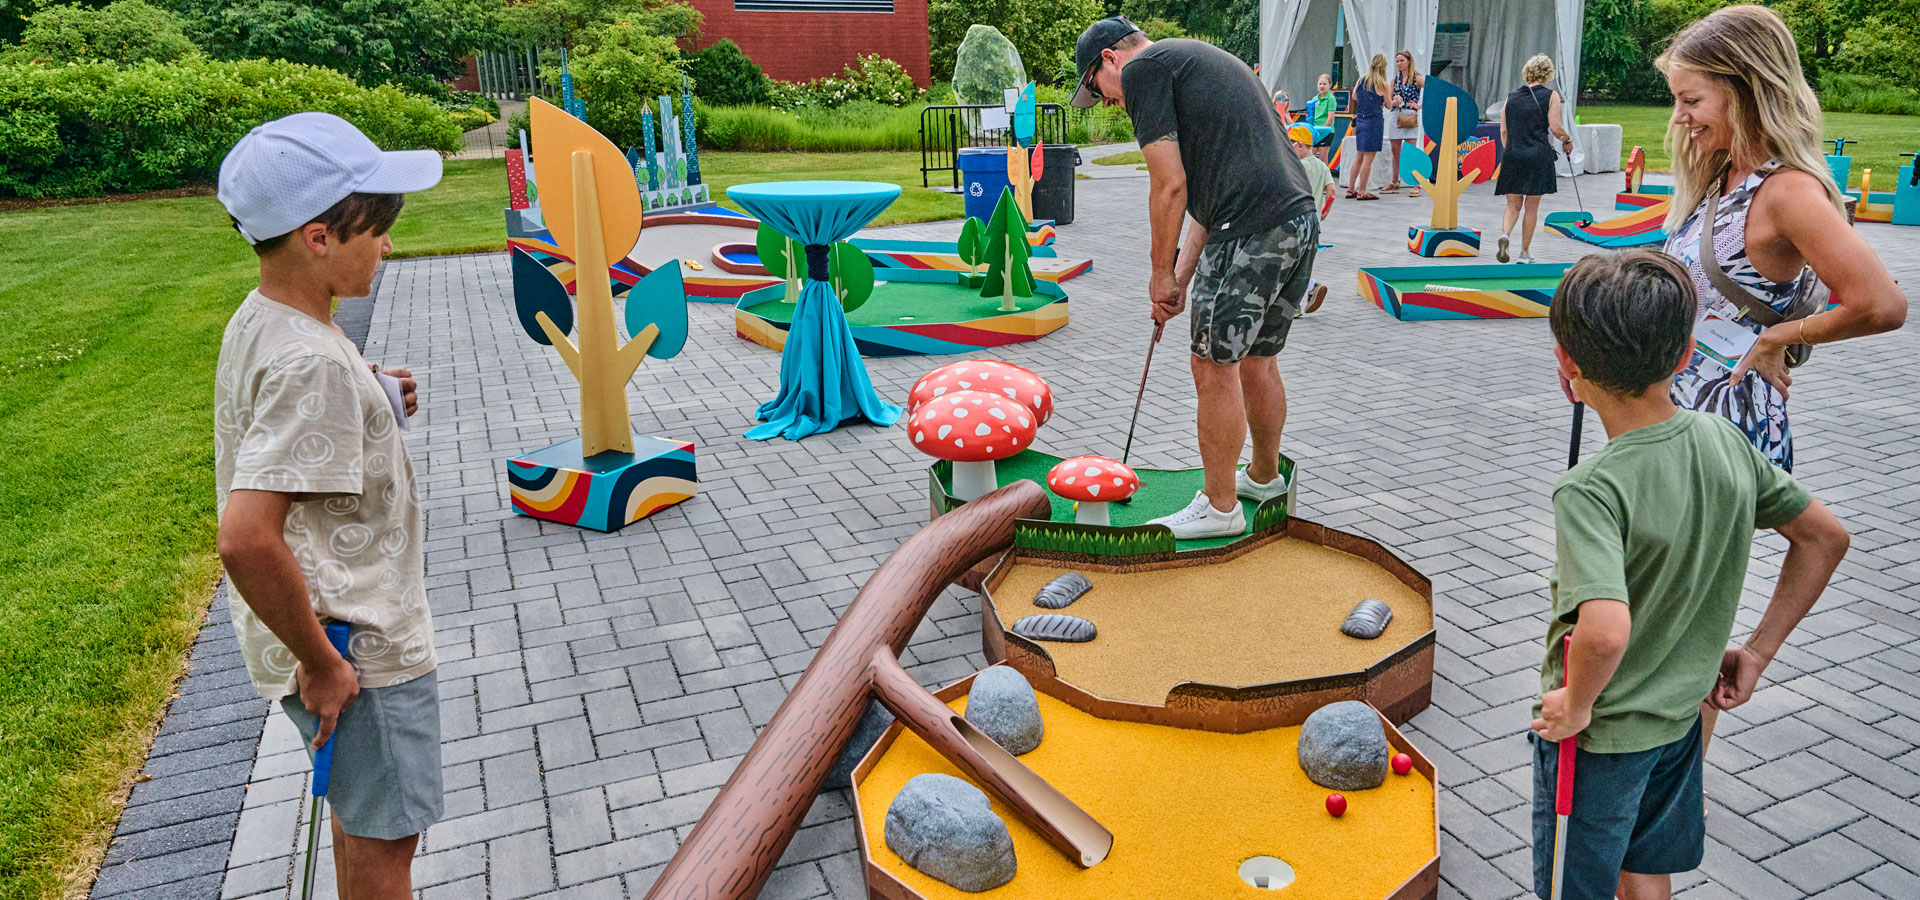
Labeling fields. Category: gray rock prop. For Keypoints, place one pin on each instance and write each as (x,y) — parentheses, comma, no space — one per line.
(1343,747)
(946,828)
(1002,705)
(1055,627)
(1061,592)
(1368,619)
(873,723)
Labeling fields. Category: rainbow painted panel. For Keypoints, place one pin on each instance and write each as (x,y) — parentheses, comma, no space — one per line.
(604,493)
(1640,228)
(923,338)
(1425,241)
(1647,195)
(1451,292)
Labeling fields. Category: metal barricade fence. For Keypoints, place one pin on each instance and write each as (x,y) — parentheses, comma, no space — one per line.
(945,130)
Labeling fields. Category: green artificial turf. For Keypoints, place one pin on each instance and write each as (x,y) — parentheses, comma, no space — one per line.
(110,323)
(1162,491)
(913,303)
(1881,138)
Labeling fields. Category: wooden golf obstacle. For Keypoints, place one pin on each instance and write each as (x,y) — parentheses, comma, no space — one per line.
(603,479)
(1424,293)
(1642,227)
(1189,809)
(1443,236)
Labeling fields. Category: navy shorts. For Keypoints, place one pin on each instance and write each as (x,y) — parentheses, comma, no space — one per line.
(1639,812)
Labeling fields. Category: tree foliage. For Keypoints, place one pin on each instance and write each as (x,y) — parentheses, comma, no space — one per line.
(413,43)
(126,31)
(617,71)
(567,23)
(723,74)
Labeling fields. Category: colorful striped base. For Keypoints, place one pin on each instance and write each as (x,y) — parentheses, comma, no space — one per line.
(1647,195)
(606,492)
(1423,240)
(922,338)
(1640,228)
(1425,293)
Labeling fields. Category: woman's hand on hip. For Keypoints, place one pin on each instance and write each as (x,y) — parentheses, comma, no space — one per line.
(1769,359)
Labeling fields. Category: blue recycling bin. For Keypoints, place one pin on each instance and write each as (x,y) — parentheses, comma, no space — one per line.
(983,175)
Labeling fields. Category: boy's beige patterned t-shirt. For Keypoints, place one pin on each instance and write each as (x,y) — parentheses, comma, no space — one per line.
(297,411)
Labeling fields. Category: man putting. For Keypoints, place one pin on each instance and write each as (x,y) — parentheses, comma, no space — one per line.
(1215,149)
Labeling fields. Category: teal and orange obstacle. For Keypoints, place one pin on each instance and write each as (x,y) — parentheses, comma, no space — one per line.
(1426,293)
(1639,228)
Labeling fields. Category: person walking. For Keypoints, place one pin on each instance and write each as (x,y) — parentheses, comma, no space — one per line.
(1526,166)
(1368,97)
(1215,151)
(1405,103)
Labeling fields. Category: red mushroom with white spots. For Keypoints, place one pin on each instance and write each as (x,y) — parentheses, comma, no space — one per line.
(990,375)
(972,429)
(1094,481)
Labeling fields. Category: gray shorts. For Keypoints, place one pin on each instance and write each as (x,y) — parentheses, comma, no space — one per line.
(386,759)
(1248,290)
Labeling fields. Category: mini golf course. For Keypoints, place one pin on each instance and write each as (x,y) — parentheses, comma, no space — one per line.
(1187,808)
(1482,291)
(908,318)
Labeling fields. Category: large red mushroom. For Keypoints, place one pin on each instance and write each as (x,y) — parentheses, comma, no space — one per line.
(1094,481)
(991,375)
(972,429)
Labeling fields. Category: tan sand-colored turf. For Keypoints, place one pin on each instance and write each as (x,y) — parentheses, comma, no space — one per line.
(1186,808)
(1271,615)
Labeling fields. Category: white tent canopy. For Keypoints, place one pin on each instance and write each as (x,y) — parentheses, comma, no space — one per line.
(1297,42)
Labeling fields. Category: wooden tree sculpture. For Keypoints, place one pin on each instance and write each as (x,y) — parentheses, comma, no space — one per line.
(1024,159)
(1444,236)
(733,848)
(1009,275)
(972,249)
(783,257)
(605,478)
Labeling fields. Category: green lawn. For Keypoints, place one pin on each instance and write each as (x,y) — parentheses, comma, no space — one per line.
(1129,158)
(1882,138)
(110,322)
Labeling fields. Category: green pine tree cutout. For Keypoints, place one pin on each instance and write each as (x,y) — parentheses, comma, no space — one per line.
(851,273)
(973,250)
(1008,274)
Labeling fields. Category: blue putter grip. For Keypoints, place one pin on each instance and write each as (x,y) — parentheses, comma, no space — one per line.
(323,758)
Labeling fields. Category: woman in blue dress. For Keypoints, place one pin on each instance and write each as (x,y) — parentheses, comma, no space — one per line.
(1368,123)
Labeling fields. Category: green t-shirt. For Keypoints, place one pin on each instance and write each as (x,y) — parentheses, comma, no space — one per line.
(1662,519)
(1319,178)
(1323,109)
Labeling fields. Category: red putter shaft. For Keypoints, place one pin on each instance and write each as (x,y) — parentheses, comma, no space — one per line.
(1563,784)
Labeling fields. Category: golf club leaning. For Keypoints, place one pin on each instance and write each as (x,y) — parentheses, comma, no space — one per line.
(337,634)
(1563,785)
(1573,445)
(1137,397)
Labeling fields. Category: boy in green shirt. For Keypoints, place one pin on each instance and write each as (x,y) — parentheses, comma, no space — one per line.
(1652,541)
(1320,185)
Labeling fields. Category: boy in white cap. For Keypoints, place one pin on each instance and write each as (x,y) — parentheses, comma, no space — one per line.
(319,512)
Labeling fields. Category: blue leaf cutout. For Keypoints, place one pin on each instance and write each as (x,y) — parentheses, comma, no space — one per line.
(535,291)
(660,299)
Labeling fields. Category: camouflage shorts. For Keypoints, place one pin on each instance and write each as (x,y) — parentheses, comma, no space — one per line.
(1248,290)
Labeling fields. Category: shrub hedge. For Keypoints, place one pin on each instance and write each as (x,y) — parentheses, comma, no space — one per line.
(84,129)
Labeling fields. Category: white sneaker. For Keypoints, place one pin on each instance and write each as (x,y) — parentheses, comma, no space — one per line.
(1501,255)
(1201,520)
(1524,258)
(1245,486)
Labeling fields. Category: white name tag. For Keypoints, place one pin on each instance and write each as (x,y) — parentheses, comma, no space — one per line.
(1723,342)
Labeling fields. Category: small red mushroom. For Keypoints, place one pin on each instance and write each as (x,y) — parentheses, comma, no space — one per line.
(990,375)
(1402,764)
(1095,481)
(972,429)
(1336,805)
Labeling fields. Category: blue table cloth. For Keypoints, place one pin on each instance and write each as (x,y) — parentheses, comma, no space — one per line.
(823,382)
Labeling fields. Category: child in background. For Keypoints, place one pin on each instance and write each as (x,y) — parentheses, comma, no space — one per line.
(1652,536)
(1322,118)
(1320,184)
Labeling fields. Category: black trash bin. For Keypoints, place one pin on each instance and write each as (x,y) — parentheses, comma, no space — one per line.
(1053,193)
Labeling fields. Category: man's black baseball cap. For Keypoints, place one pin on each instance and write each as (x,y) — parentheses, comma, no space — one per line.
(1086,52)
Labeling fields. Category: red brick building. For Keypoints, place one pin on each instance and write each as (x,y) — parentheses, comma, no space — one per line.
(800,40)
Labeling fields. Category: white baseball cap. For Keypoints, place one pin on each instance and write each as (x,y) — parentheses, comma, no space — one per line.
(287,172)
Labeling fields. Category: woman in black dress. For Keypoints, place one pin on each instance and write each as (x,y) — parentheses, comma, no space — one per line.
(1526,165)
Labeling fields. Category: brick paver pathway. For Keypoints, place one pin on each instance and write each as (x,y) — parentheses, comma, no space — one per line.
(599,688)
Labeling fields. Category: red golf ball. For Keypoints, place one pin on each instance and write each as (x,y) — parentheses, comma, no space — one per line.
(1336,805)
(1402,764)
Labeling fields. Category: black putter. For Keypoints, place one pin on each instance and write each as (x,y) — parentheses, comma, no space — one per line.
(1573,446)
(1128,450)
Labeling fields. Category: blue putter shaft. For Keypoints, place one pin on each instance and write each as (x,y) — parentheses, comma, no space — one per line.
(337,633)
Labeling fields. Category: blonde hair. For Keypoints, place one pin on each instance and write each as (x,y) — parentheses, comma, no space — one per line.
(1376,77)
(1773,115)
(1538,70)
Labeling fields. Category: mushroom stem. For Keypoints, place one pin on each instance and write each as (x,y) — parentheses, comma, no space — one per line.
(971,480)
(1091,512)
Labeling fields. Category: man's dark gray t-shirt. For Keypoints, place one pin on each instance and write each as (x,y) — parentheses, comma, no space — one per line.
(1242,177)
